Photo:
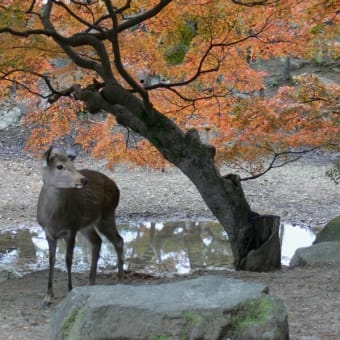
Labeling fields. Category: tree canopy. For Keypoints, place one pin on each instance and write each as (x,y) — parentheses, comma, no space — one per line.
(197,62)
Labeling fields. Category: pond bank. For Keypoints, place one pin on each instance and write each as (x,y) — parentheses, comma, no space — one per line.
(300,193)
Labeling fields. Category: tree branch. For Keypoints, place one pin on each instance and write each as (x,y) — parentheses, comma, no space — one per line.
(103,68)
(276,156)
(27,33)
(30,9)
(198,72)
(55,93)
(135,20)
(212,45)
(77,17)
(118,62)
(255,2)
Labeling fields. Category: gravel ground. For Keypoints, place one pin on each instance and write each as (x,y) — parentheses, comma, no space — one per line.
(299,192)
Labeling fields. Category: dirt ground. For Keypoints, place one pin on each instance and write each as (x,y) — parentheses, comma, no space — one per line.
(300,193)
(311,297)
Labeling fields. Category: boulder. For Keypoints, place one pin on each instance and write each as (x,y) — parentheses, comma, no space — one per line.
(317,254)
(208,307)
(331,231)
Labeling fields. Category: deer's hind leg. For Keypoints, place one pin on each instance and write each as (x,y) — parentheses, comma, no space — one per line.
(108,228)
(96,242)
(70,240)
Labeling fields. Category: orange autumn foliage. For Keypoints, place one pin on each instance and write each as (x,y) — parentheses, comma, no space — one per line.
(197,61)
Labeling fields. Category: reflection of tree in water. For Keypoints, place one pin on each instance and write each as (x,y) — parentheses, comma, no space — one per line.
(148,246)
(194,245)
(217,251)
(21,241)
(207,246)
(179,243)
(156,247)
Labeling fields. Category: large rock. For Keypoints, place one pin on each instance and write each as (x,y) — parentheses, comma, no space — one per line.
(331,231)
(209,307)
(318,254)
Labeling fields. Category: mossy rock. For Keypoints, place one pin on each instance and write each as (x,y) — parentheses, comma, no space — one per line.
(331,231)
(208,307)
(264,318)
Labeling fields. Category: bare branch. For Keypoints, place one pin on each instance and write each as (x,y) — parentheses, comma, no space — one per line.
(124,7)
(135,20)
(255,2)
(276,157)
(27,33)
(74,90)
(30,9)
(77,17)
(52,97)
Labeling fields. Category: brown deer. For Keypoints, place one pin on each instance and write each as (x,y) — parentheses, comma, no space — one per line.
(72,201)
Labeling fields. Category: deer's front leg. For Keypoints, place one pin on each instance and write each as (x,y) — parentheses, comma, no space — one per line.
(52,246)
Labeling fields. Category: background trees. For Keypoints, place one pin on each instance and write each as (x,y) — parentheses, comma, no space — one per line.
(168,69)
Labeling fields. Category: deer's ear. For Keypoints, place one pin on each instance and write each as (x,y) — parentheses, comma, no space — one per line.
(49,155)
(45,160)
(73,151)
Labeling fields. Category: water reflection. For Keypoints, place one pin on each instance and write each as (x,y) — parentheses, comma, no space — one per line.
(170,247)
(178,247)
(17,247)
(294,237)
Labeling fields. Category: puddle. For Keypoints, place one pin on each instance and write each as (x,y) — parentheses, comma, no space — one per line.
(155,248)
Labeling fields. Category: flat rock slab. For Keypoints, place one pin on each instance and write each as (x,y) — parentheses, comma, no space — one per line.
(316,255)
(201,308)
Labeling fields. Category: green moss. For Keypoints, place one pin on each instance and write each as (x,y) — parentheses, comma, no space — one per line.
(182,323)
(160,337)
(331,232)
(318,29)
(177,42)
(70,324)
(192,318)
(252,313)
(174,55)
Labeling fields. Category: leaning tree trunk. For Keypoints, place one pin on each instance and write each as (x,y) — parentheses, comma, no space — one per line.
(253,238)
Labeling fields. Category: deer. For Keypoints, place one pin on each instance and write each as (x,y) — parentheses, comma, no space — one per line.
(74,200)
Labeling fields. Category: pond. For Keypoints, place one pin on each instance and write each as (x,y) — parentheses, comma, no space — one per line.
(150,247)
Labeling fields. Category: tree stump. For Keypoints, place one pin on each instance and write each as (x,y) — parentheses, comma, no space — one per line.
(265,254)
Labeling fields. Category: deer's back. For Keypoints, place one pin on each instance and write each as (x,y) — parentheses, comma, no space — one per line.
(78,208)
(102,189)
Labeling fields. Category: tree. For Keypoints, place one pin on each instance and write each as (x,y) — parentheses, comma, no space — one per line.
(168,69)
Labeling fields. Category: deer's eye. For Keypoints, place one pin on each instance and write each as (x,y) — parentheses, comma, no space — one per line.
(60,167)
